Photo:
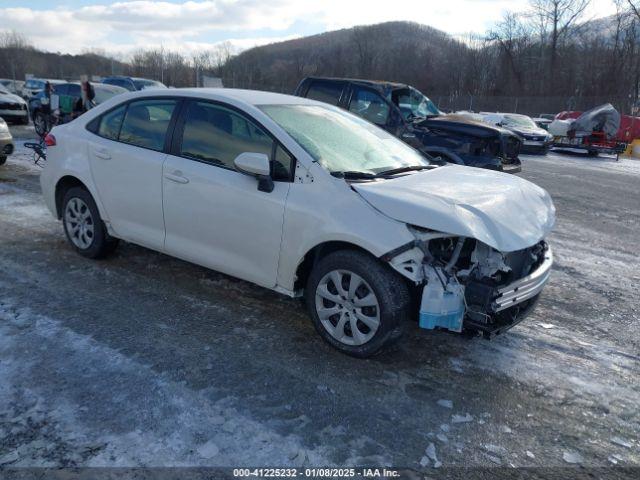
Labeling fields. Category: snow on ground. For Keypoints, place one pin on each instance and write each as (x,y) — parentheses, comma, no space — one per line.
(582,162)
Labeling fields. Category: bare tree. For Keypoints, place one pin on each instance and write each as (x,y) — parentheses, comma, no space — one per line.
(14,54)
(513,37)
(556,18)
(365,43)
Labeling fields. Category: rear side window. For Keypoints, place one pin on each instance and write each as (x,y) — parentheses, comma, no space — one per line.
(74,90)
(111,122)
(146,122)
(328,92)
(370,106)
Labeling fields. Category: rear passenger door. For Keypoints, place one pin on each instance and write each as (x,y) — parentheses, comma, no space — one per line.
(127,153)
(214,215)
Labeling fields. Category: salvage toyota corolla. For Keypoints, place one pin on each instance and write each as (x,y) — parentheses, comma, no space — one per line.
(306,199)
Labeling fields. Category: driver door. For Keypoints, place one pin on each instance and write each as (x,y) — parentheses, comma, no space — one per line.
(214,215)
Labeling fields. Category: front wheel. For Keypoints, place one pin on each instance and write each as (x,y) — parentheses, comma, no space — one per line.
(83,226)
(357,304)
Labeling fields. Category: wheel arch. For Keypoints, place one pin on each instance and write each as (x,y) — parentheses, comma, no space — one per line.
(318,252)
(62,186)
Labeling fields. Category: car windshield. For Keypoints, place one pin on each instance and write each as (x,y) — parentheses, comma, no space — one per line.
(3,90)
(147,84)
(413,104)
(342,142)
(521,121)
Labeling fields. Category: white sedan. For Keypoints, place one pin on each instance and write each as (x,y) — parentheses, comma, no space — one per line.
(306,199)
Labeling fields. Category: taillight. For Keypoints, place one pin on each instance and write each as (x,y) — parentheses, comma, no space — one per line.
(50,140)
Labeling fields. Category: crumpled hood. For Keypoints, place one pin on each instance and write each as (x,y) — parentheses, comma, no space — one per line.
(498,209)
(461,124)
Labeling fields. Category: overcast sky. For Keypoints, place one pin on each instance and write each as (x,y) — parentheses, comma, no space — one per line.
(120,26)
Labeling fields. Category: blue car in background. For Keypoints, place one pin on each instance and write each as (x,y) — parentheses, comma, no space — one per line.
(133,83)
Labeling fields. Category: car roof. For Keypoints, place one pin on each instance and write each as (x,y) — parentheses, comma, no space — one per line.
(249,97)
(53,81)
(373,83)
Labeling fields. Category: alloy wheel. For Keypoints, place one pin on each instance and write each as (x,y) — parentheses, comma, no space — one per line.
(79,223)
(347,307)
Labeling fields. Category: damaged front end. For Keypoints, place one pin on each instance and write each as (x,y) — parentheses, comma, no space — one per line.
(469,143)
(468,286)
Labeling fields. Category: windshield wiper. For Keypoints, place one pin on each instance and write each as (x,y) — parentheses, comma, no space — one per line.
(353,175)
(395,171)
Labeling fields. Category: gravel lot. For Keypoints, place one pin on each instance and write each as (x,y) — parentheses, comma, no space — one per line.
(145,360)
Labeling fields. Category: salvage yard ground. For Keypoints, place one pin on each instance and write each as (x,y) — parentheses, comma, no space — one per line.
(145,360)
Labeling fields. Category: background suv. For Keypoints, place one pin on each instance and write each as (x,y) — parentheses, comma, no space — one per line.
(408,114)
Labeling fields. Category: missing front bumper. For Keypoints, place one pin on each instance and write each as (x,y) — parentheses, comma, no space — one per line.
(490,310)
(525,288)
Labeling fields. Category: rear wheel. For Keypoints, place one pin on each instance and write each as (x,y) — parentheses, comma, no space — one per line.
(83,226)
(357,304)
(40,124)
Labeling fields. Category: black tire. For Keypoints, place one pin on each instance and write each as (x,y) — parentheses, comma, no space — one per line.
(592,153)
(25,120)
(3,159)
(390,289)
(102,244)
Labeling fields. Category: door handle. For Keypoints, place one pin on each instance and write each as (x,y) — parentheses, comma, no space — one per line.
(176,177)
(102,153)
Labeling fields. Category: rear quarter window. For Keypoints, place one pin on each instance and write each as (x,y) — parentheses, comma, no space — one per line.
(109,124)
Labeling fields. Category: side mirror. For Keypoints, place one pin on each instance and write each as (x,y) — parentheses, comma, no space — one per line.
(256,165)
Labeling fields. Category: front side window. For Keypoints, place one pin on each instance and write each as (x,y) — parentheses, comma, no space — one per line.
(342,142)
(327,92)
(414,104)
(217,135)
(370,106)
(146,122)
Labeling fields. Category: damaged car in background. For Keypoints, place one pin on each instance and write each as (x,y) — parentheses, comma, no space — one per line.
(595,131)
(411,116)
(306,199)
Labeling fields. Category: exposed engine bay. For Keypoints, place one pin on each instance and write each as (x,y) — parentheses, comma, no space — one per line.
(467,285)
